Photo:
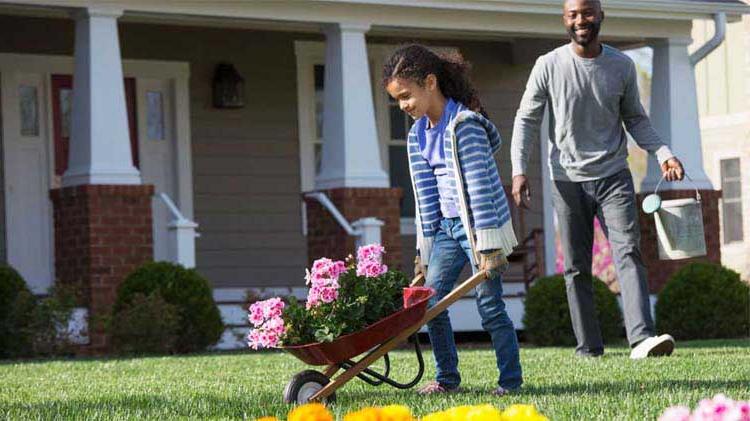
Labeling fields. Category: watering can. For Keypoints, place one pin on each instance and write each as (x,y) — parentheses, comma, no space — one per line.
(679,224)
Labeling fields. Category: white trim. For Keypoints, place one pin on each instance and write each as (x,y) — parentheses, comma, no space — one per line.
(383,12)
(309,54)
(30,246)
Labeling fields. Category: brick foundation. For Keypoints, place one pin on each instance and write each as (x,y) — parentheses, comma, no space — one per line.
(326,238)
(659,271)
(102,233)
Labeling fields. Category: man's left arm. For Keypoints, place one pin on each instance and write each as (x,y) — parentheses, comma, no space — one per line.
(639,126)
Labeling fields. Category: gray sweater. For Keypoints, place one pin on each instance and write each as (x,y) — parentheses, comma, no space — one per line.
(589,100)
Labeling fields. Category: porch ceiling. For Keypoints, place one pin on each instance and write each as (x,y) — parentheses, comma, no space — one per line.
(628,19)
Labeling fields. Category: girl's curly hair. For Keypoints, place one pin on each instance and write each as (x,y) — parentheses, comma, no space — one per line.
(414,62)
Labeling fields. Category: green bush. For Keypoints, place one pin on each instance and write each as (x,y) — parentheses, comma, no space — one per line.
(703,301)
(199,321)
(547,316)
(16,305)
(30,326)
(145,325)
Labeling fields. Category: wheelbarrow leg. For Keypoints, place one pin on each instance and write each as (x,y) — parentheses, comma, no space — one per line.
(386,347)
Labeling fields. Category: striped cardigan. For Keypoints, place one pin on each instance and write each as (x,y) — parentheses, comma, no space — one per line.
(470,142)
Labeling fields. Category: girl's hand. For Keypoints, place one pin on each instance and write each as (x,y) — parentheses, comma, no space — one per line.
(493,261)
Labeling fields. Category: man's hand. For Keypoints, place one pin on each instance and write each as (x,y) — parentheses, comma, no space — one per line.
(521,191)
(493,261)
(419,268)
(671,169)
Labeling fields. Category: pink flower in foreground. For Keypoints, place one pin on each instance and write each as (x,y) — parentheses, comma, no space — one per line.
(720,408)
(676,413)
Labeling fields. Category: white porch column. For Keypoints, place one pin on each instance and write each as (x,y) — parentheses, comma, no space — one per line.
(100,140)
(674,113)
(351,155)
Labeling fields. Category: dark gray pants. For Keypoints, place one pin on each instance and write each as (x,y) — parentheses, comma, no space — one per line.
(612,199)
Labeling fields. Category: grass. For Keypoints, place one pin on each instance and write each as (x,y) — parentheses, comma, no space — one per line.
(249,385)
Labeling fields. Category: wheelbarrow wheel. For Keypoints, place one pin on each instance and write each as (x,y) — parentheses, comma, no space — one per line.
(304,385)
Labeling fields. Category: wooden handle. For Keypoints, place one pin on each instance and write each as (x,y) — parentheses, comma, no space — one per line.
(418,281)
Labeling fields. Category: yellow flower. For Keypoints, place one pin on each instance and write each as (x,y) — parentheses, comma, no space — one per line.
(310,412)
(395,413)
(523,413)
(436,416)
(364,414)
(458,412)
(484,413)
(267,419)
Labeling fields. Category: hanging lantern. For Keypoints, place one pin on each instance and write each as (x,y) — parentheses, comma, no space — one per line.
(229,87)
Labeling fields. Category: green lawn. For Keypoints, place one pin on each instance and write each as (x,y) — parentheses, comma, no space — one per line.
(248,385)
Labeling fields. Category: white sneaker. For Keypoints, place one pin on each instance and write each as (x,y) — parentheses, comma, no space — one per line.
(655,346)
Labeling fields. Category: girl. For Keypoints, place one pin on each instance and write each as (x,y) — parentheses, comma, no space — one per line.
(461,210)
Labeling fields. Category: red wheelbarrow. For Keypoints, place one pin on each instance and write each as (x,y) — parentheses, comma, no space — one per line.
(375,341)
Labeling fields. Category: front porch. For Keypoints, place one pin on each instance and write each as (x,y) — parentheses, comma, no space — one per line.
(240,173)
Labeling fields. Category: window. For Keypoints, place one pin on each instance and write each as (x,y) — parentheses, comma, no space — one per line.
(731,208)
(320,78)
(154,115)
(28,103)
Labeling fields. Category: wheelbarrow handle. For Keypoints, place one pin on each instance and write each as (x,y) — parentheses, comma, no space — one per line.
(418,280)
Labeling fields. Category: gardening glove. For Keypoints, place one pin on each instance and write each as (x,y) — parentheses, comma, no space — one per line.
(493,261)
(419,268)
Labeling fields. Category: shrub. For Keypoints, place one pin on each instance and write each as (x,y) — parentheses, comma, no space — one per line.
(16,305)
(145,325)
(703,301)
(48,327)
(547,315)
(199,321)
(30,326)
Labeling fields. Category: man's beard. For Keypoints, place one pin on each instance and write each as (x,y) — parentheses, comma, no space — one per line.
(593,33)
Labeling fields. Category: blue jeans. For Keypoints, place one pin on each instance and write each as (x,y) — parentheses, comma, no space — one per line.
(450,252)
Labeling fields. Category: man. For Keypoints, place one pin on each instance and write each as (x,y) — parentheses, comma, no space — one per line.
(591,91)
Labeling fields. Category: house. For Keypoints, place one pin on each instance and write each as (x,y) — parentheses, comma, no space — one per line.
(212,113)
(724,105)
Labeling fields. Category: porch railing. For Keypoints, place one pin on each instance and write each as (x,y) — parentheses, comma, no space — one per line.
(365,230)
(182,235)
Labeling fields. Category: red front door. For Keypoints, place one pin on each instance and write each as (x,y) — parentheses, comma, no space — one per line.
(62,100)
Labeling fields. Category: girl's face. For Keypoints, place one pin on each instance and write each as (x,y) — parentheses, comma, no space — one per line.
(412,98)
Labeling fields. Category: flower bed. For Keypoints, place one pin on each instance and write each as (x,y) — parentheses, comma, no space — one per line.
(318,412)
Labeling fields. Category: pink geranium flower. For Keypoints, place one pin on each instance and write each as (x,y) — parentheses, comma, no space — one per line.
(265,316)
(370,261)
(323,281)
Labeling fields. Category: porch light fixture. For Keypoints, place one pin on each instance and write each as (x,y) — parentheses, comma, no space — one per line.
(228,87)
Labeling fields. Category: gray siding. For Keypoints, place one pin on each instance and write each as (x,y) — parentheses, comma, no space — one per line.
(245,161)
